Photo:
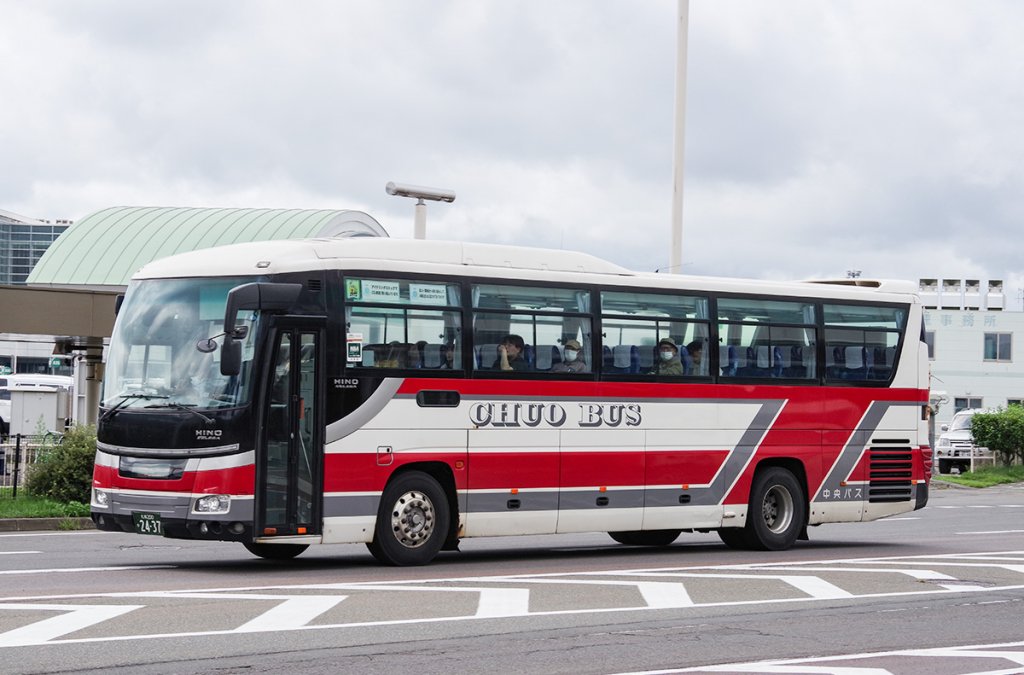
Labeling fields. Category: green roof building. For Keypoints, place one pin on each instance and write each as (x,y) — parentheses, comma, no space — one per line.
(103,250)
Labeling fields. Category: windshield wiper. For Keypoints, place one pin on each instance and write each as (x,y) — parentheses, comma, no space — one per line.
(125,398)
(182,406)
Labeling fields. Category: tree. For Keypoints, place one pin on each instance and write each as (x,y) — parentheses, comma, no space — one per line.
(1002,432)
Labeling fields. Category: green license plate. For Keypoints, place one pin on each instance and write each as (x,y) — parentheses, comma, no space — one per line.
(148,523)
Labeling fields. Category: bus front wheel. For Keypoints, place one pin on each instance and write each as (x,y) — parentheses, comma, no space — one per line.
(275,551)
(412,522)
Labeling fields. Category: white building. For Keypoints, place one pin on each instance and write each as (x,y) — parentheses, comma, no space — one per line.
(971,341)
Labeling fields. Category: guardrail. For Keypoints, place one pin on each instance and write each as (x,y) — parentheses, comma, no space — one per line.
(17,453)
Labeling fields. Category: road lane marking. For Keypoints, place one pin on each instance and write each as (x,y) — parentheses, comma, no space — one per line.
(62,570)
(297,610)
(19,552)
(816,587)
(1012,652)
(658,594)
(503,602)
(74,618)
(292,613)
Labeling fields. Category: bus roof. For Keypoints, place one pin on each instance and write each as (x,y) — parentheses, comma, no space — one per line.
(476,259)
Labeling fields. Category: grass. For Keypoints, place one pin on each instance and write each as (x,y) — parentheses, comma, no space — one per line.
(38,507)
(988,476)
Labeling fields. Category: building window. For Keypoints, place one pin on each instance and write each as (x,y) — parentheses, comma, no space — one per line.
(929,339)
(966,403)
(997,346)
(1014,401)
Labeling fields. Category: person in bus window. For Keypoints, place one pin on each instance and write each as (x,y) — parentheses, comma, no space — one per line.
(572,361)
(448,356)
(511,355)
(696,351)
(668,359)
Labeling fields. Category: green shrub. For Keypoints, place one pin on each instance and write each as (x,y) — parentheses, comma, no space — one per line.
(1002,432)
(63,470)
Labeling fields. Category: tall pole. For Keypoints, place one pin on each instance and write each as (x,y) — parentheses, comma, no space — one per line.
(676,262)
(420,221)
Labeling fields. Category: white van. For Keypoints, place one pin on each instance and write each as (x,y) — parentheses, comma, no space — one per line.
(955,447)
(27,382)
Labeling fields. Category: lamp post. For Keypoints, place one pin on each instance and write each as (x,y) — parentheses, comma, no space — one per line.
(676,258)
(420,193)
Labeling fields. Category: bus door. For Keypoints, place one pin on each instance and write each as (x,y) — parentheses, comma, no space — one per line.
(289,491)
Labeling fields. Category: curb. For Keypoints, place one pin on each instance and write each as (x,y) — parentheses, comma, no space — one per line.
(44,524)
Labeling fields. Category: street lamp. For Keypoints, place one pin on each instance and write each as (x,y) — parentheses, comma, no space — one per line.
(420,193)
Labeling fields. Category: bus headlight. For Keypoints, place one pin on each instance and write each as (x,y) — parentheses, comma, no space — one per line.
(213,504)
(100,498)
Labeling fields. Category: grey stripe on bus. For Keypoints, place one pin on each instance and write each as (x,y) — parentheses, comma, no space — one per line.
(175,506)
(854,449)
(361,416)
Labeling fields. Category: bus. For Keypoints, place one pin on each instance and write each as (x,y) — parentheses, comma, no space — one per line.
(408,394)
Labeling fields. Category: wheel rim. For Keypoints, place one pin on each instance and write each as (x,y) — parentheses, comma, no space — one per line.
(777,509)
(413,519)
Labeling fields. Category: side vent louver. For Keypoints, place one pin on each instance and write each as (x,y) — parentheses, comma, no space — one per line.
(891,475)
(314,285)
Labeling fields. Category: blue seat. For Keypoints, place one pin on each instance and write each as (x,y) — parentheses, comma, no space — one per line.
(432,356)
(486,355)
(546,356)
(728,361)
(647,356)
(624,359)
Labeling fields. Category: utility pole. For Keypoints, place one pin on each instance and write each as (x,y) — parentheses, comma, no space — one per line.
(676,258)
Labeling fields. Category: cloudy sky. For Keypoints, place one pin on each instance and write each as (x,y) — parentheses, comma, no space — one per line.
(821,136)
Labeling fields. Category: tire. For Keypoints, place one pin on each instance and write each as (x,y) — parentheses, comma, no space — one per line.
(646,537)
(777,511)
(944,465)
(275,551)
(412,521)
(734,537)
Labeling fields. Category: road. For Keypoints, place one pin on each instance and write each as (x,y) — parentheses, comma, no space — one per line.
(937,591)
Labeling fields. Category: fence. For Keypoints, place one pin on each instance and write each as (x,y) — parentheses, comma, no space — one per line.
(17,454)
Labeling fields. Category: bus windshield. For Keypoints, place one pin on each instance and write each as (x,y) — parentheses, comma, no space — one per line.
(153,361)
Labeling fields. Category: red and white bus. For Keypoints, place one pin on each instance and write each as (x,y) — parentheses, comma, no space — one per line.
(408,394)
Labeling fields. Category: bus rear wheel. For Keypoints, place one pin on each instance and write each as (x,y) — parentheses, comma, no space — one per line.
(777,510)
(776,515)
(646,537)
(275,551)
(412,522)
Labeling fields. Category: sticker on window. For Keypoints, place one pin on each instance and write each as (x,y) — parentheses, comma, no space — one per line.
(354,344)
(428,294)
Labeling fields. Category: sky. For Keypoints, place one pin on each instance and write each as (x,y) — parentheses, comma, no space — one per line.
(822,136)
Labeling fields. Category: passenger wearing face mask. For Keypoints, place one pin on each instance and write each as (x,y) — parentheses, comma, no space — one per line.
(572,360)
(668,359)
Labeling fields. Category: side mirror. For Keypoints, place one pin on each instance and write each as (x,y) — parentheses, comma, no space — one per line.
(944,427)
(230,356)
(118,301)
(266,297)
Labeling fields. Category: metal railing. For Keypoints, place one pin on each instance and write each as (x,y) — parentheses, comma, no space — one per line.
(17,454)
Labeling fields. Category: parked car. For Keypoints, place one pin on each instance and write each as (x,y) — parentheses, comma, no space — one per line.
(956,447)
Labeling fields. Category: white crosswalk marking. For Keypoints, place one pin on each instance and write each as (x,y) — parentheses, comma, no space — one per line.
(817,587)
(664,595)
(294,612)
(72,618)
(499,602)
